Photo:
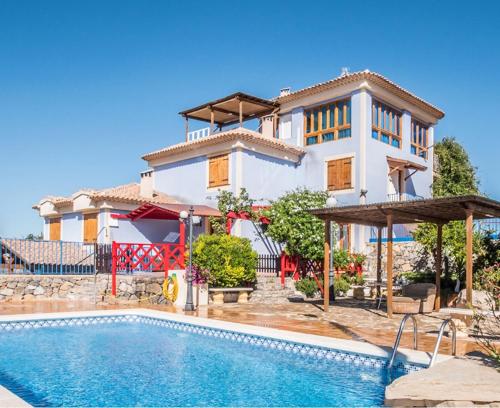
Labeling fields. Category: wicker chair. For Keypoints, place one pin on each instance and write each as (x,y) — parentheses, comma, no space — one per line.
(417,298)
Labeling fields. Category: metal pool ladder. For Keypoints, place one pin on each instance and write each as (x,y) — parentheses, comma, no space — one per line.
(400,333)
(440,337)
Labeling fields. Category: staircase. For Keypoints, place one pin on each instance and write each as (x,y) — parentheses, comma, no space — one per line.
(269,291)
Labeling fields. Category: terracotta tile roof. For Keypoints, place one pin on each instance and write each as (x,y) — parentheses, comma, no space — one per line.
(127,193)
(366,75)
(48,252)
(234,134)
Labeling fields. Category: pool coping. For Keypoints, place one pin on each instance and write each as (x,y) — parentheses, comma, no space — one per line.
(407,356)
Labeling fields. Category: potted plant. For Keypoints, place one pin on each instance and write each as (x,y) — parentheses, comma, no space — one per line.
(358,261)
(358,288)
(230,264)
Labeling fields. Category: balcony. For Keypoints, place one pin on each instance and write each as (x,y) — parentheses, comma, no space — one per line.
(232,110)
(403,197)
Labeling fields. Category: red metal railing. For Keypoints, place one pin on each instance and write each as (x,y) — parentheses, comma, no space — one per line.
(128,258)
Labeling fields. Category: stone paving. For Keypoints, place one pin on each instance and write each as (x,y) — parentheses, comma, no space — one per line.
(347,319)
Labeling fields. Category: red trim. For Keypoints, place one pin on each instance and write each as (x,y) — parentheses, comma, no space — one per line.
(120,216)
(131,257)
(243,215)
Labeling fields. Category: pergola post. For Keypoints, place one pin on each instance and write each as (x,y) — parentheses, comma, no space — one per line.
(187,127)
(212,120)
(389,264)
(240,105)
(326,268)
(468,260)
(379,260)
(439,266)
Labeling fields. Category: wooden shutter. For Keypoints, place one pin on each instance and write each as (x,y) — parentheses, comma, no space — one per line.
(55,229)
(346,173)
(90,228)
(218,171)
(339,174)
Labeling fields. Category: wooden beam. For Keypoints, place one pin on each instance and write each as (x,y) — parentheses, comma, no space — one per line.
(212,120)
(469,227)
(389,264)
(379,260)
(416,216)
(326,268)
(240,105)
(439,266)
(484,210)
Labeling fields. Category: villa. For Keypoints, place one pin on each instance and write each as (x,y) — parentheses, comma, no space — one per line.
(360,136)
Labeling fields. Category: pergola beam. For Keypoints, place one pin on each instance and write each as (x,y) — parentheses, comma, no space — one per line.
(415,217)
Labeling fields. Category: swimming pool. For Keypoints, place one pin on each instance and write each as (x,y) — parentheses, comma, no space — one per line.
(152,358)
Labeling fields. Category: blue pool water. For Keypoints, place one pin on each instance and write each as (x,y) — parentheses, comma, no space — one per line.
(139,364)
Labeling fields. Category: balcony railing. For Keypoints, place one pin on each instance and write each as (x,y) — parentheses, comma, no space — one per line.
(403,197)
(198,134)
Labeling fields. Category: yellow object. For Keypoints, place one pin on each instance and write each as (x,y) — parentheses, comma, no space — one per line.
(170,288)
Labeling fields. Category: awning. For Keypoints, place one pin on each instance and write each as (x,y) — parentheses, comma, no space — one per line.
(400,164)
(227,110)
(166,212)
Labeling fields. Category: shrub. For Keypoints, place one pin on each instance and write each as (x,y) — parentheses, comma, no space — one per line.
(230,261)
(341,259)
(307,286)
(341,285)
(417,277)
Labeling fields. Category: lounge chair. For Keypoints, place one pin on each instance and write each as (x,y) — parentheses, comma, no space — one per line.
(417,298)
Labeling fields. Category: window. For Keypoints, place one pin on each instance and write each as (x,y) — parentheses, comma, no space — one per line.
(386,124)
(419,138)
(339,174)
(327,122)
(90,228)
(218,171)
(55,229)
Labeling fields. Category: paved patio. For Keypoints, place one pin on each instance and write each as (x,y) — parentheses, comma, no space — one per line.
(347,319)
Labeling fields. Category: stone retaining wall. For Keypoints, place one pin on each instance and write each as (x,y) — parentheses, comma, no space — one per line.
(136,288)
(408,257)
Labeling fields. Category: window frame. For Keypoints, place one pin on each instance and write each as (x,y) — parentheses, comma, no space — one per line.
(386,132)
(419,148)
(335,129)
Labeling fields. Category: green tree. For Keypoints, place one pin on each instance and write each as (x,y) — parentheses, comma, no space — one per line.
(294,227)
(227,202)
(454,175)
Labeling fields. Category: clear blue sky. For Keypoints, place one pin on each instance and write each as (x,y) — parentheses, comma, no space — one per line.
(86,87)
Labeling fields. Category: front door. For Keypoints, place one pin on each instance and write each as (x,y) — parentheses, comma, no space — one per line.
(90,228)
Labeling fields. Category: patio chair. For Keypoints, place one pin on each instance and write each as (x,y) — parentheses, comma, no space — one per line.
(417,298)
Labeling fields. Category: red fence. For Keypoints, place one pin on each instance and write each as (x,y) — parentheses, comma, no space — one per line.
(127,258)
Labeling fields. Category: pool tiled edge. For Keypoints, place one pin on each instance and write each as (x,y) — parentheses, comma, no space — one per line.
(11,400)
(307,344)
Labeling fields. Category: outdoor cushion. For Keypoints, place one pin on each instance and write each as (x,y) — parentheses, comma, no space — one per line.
(417,298)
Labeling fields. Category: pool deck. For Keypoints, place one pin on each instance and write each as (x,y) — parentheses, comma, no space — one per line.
(347,319)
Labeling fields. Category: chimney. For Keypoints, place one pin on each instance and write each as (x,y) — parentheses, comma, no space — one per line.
(146,186)
(285,91)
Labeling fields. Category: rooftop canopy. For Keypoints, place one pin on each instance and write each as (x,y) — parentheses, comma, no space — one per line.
(231,109)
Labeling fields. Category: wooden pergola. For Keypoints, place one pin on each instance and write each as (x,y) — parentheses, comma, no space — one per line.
(235,108)
(438,211)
